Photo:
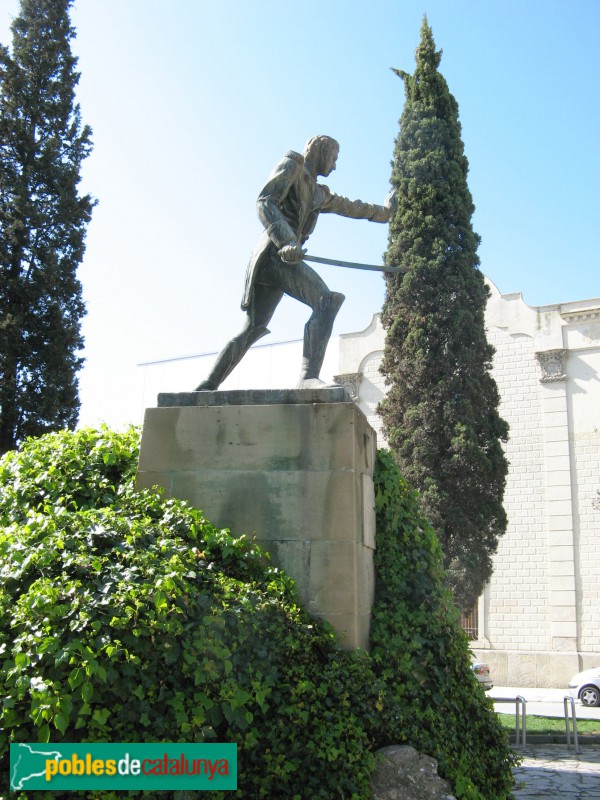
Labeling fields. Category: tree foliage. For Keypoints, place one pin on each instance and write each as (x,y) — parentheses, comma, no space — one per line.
(433,700)
(43,220)
(440,413)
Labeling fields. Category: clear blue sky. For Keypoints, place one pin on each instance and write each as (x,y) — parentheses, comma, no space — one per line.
(193,101)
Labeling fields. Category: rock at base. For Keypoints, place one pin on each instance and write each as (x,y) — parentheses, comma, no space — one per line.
(404,774)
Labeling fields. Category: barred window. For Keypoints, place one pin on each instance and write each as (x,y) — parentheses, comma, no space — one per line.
(469,622)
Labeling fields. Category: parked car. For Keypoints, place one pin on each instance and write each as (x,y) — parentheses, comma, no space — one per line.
(585,686)
(482,673)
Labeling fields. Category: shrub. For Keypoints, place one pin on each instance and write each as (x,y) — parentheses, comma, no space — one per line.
(434,702)
(127,617)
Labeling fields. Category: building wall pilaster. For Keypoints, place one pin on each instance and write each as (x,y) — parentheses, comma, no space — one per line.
(559,500)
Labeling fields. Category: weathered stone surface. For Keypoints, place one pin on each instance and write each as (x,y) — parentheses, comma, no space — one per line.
(254,397)
(404,774)
(297,475)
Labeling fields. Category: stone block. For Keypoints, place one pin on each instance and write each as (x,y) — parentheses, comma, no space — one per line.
(521,669)
(291,469)
(341,439)
(555,669)
(253,397)
(564,644)
(587,661)
(294,558)
(368,511)
(352,628)
(563,598)
(559,508)
(562,568)
(533,668)
(557,463)
(555,419)
(556,435)
(565,629)
(563,538)
(561,583)
(564,613)
(557,448)
(365,581)
(275,505)
(555,401)
(557,477)
(560,553)
(560,522)
(332,576)
(229,437)
(560,492)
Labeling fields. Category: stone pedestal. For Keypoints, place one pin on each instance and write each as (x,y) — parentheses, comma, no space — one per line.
(292,468)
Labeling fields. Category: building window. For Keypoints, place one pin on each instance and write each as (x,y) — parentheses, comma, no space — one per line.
(469,622)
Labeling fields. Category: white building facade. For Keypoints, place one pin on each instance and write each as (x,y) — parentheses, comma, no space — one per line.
(538,620)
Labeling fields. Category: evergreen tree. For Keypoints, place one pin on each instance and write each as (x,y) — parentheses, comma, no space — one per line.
(440,414)
(42,224)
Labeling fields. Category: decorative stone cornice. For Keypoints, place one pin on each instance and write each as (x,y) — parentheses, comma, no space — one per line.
(580,311)
(553,364)
(581,316)
(350,381)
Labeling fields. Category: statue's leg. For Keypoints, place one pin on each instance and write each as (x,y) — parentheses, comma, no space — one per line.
(317,333)
(265,301)
(303,283)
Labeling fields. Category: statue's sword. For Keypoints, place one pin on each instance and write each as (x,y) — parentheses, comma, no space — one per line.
(335,262)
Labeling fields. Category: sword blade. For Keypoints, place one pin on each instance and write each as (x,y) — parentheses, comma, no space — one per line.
(335,262)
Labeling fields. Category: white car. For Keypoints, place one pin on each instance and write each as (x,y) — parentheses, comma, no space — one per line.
(585,686)
(482,673)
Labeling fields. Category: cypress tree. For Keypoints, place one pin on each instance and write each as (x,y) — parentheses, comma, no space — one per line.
(440,413)
(43,221)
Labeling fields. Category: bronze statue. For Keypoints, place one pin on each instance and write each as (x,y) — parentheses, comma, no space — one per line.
(288,207)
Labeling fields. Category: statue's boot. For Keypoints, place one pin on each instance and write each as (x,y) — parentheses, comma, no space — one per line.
(230,356)
(317,332)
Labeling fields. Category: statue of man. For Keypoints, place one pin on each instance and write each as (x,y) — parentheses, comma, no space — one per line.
(288,208)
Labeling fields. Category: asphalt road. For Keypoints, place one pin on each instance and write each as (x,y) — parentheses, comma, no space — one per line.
(541,702)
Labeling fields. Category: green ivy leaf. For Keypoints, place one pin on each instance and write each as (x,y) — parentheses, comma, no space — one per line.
(76,677)
(44,733)
(101,715)
(61,721)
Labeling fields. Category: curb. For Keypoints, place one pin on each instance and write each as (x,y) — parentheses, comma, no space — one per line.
(556,738)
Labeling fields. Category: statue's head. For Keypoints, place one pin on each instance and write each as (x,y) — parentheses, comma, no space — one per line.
(322,152)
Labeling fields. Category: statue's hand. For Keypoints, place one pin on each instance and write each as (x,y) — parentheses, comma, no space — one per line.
(291,253)
(391,202)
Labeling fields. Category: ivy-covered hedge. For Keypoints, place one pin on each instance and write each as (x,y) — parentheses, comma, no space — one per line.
(433,700)
(126,617)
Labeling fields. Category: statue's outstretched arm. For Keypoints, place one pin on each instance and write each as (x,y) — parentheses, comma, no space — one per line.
(356,209)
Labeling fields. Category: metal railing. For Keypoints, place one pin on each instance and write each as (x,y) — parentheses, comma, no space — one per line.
(566,702)
(520,729)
